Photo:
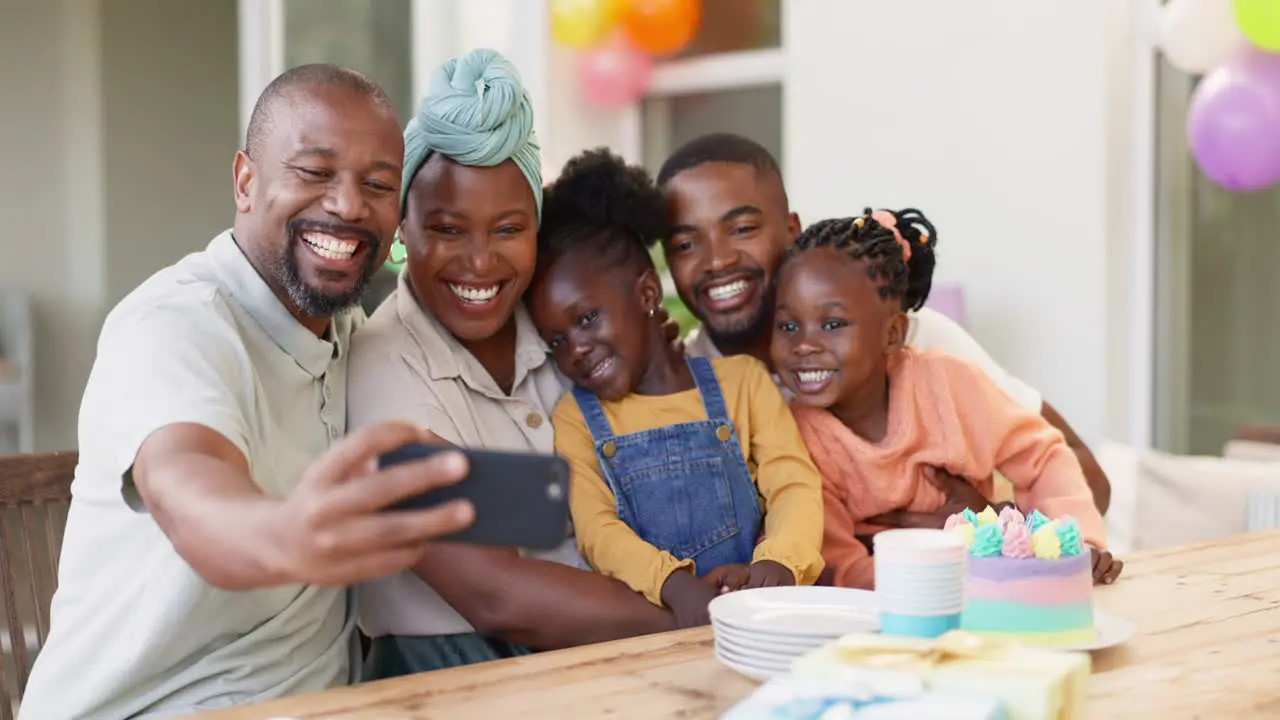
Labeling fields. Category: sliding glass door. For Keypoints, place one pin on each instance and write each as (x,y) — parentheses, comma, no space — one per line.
(1218,295)
(371,36)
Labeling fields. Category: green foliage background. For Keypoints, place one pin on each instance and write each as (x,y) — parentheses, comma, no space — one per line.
(671,301)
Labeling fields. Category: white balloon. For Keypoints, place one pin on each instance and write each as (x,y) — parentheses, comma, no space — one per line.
(1199,35)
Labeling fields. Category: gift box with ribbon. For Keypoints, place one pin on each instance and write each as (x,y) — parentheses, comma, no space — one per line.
(797,698)
(1032,684)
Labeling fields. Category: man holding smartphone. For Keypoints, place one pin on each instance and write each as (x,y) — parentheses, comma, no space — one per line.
(218,512)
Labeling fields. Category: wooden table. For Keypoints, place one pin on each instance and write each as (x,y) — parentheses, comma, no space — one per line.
(1207,646)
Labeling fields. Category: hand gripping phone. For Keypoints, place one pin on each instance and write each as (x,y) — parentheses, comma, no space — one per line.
(521,499)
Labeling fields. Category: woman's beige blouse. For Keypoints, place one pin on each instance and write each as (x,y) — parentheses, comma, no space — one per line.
(406,366)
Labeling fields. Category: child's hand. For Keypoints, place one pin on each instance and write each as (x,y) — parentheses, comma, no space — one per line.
(728,578)
(687,597)
(768,573)
(1106,567)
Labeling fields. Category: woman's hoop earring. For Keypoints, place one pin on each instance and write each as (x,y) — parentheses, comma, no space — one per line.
(398,251)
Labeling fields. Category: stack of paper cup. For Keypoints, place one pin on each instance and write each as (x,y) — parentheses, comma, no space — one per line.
(919,581)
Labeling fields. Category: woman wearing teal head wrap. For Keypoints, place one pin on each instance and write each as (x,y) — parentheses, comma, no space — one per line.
(476,113)
(453,349)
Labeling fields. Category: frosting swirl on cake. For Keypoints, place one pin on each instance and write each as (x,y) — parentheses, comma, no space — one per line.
(1017,541)
(988,540)
(1069,535)
(988,517)
(1010,534)
(1045,543)
(1036,520)
(966,533)
(1010,515)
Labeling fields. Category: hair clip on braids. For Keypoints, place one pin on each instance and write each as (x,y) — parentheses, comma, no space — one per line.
(890,222)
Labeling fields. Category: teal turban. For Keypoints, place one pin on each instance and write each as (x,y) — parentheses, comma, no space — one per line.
(476,112)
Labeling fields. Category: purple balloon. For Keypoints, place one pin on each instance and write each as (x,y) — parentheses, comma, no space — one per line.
(1233,125)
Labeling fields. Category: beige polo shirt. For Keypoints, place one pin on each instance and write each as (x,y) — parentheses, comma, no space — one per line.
(135,632)
(406,366)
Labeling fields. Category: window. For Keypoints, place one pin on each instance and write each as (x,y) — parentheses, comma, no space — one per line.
(737,25)
(371,36)
(728,80)
(1217,331)
(755,112)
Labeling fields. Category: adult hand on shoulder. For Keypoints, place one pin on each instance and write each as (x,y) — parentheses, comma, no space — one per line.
(959,492)
(671,328)
(1106,567)
(687,597)
(334,528)
(768,573)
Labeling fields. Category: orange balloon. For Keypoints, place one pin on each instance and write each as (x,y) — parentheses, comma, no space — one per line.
(662,27)
(583,23)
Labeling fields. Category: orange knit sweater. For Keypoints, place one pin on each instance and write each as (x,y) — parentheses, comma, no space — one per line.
(946,413)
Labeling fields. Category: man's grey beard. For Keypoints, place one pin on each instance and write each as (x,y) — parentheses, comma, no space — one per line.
(312,302)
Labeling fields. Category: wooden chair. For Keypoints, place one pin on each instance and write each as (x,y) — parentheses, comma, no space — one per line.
(35,492)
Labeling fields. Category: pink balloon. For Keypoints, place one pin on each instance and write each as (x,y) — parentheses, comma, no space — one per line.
(615,74)
(1233,125)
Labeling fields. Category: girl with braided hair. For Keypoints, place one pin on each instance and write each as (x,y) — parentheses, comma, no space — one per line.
(919,240)
(875,414)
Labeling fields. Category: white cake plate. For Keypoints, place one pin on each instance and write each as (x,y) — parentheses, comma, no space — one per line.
(1109,630)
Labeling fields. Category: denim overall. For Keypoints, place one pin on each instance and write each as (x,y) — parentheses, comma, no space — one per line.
(683,488)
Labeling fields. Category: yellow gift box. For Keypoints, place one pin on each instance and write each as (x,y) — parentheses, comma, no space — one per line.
(1033,684)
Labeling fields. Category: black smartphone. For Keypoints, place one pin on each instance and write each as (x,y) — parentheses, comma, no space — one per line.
(521,499)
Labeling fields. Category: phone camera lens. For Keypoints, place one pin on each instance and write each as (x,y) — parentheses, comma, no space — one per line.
(554,491)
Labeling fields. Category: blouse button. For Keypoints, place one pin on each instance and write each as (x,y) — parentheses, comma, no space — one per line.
(722,433)
(533,420)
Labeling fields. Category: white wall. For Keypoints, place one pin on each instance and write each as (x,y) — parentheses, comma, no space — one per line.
(1131,189)
(996,118)
(117,160)
(171,130)
(52,192)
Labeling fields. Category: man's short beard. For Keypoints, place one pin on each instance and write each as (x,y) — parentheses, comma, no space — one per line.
(744,333)
(312,302)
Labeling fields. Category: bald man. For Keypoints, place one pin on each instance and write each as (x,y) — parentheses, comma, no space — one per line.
(218,515)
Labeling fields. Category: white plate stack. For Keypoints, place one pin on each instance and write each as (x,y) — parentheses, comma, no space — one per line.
(760,632)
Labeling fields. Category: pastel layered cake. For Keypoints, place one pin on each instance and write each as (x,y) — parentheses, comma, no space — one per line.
(1030,578)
